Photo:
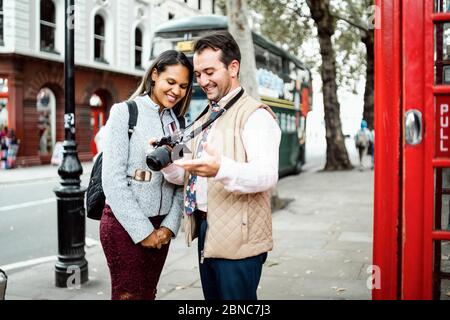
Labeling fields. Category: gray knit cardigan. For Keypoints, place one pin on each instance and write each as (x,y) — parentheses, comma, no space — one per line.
(133,204)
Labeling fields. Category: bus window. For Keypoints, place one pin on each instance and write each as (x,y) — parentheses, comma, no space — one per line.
(260,57)
(196,106)
(275,63)
(198,103)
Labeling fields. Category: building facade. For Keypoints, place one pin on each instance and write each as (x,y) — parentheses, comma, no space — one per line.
(112,49)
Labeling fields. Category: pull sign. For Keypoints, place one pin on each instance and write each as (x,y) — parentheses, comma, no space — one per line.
(413,127)
(442,147)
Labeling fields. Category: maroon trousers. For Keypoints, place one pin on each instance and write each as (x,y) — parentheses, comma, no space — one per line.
(134,270)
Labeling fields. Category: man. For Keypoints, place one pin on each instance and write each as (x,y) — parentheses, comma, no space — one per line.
(227,200)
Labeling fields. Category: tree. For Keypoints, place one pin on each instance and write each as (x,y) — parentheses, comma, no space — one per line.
(238,26)
(290,22)
(353,39)
(337,157)
(295,23)
(359,17)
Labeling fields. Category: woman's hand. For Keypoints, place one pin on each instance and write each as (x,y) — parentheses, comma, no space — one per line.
(152,142)
(164,235)
(152,241)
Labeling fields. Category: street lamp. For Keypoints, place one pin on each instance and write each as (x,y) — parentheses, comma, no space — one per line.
(71,266)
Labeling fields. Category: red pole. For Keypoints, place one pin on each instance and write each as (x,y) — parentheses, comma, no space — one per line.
(387,202)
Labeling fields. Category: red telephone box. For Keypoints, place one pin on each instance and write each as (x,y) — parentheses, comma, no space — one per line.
(412,175)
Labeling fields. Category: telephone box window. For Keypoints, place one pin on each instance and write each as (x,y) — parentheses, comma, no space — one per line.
(441,270)
(442,199)
(442,5)
(442,53)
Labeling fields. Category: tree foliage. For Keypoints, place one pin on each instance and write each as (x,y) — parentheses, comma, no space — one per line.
(289,23)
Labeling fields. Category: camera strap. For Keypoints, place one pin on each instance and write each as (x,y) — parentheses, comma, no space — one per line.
(209,122)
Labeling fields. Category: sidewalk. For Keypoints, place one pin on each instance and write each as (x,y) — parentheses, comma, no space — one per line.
(322,247)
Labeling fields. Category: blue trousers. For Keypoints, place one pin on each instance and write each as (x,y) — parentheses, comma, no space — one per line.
(224,279)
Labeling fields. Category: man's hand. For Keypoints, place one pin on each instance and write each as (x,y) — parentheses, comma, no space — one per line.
(207,166)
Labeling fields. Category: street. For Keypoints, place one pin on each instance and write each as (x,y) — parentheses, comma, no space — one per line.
(28,216)
(28,220)
(322,249)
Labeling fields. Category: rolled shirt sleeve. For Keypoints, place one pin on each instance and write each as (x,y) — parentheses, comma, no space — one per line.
(261,137)
(173,174)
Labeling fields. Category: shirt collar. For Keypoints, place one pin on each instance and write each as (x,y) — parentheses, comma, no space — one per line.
(167,115)
(222,102)
(148,102)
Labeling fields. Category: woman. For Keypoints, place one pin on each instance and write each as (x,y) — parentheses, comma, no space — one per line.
(141,215)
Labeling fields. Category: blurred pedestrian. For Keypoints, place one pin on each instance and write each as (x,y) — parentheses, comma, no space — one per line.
(362,139)
(143,208)
(371,148)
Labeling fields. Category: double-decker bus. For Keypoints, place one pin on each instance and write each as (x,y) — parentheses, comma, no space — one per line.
(284,82)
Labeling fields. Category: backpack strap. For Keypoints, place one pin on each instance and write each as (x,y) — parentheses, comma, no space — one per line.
(133,111)
(182,122)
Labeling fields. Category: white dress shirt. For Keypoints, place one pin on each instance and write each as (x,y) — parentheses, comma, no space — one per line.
(261,137)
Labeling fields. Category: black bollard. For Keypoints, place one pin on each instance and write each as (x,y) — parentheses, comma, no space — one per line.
(71,269)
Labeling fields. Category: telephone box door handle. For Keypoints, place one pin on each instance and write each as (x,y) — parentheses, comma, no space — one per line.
(413,127)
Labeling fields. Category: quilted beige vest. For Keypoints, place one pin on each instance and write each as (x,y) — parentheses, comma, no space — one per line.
(239,225)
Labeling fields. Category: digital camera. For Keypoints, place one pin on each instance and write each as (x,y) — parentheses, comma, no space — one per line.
(164,151)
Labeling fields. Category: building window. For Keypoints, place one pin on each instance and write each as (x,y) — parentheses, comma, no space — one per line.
(138,48)
(199,4)
(171,16)
(1,23)
(48,25)
(213,6)
(99,39)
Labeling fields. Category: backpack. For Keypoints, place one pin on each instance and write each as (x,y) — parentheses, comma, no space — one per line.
(95,198)
(361,139)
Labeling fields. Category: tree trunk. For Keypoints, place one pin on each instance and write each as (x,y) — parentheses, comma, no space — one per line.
(368,39)
(337,157)
(239,28)
(238,25)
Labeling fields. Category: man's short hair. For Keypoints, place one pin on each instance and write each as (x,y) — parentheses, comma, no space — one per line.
(220,40)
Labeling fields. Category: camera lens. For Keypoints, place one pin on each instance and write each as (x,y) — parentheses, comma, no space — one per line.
(158,158)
